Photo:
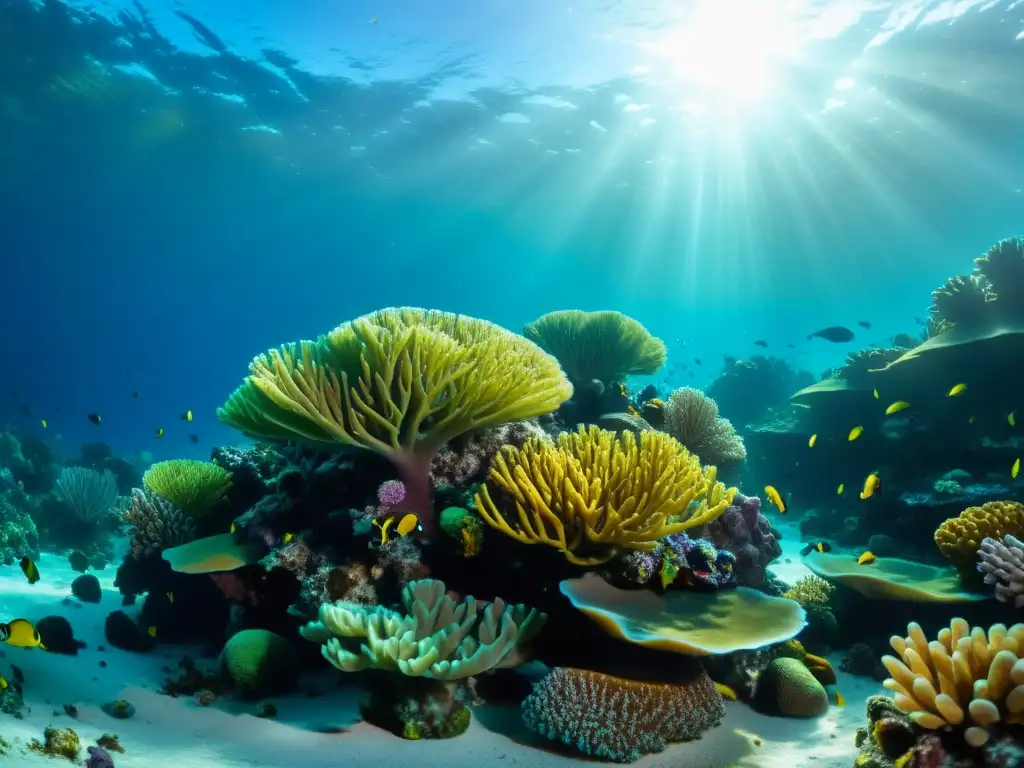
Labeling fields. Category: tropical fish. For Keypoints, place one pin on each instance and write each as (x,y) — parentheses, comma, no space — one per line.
(867,558)
(43,422)
(95,418)
(159,433)
(697,361)
(3,683)
(816,546)
(840,489)
(28,567)
(194,438)
(170,598)
(726,692)
(957,389)
(186,416)
(776,499)
(288,538)
(151,631)
(135,395)
(1012,418)
(669,571)
(875,393)
(1015,469)
(812,441)
(864,324)
(872,485)
(855,433)
(233,528)
(840,699)
(78,562)
(408,524)
(896,407)
(837,334)
(21,634)
(761,343)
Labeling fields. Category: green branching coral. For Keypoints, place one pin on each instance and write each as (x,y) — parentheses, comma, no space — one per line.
(194,487)
(691,417)
(597,346)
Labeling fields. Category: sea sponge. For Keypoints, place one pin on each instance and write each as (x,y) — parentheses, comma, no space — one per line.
(194,487)
(959,538)
(400,382)
(787,688)
(620,720)
(156,524)
(435,638)
(691,417)
(593,493)
(597,346)
(966,679)
(259,663)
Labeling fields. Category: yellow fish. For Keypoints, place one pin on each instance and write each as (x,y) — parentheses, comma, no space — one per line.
(21,634)
(855,433)
(726,692)
(408,524)
(896,407)
(867,558)
(3,683)
(776,499)
(159,433)
(812,441)
(872,485)
(1012,418)
(875,393)
(383,529)
(170,598)
(28,567)
(151,631)
(957,390)
(43,422)
(233,528)
(288,538)
(840,489)
(840,699)
(1015,469)
(186,416)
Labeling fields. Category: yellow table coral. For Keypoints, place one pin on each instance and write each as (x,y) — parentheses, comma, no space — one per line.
(967,678)
(958,538)
(592,493)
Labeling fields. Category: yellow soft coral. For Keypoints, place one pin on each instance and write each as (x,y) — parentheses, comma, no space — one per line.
(400,382)
(967,678)
(194,487)
(593,493)
(959,537)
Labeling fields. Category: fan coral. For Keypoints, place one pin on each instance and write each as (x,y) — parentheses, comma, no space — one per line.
(90,495)
(744,531)
(967,679)
(156,524)
(958,538)
(194,487)
(691,417)
(1002,563)
(597,346)
(617,719)
(399,382)
(593,493)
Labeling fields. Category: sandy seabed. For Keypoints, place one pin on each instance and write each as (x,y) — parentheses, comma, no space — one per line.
(326,731)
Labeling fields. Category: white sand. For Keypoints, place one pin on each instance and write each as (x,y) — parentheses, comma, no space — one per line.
(315,732)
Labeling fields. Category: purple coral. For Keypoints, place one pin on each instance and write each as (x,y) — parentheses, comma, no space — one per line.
(467,459)
(745,532)
(696,561)
(1002,562)
(390,496)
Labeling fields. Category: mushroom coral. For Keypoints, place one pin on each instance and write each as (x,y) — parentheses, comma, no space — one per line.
(593,493)
(400,382)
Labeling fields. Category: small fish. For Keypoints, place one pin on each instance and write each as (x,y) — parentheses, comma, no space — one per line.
(151,631)
(958,389)
(837,334)
(776,499)
(374,20)
(872,485)
(726,692)
(791,346)
(95,418)
(840,489)
(408,524)
(193,438)
(840,699)
(43,422)
(875,393)
(159,433)
(812,441)
(28,567)
(78,562)
(867,558)
(918,320)
(233,528)
(816,546)
(21,634)
(855,433)
(383,528)
(896,407)
(761,343)
(135,395)
(186,416)
(1012,419)
(170,598)
(697,361)
(970,420)
(863,323)
(288,538)
(1015,469)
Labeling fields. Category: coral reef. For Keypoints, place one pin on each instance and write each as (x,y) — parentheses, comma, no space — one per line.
(156,525)
(691,417)
(958,538)
(259,663)
(1002,564)
(787,688)
(747,390)
(194,487)
(742,530)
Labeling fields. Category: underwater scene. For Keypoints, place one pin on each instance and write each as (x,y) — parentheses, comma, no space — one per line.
(483,384)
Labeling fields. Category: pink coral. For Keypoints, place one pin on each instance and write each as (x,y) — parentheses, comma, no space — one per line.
(745,532)
(467,459)
(390,496)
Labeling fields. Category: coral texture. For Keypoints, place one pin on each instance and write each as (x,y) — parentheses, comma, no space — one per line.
(259,663)
(617,719)
(89,494)
(1002,563)
(744,531)
(194,487)
(593,493)
(691,417)
(787,687)
(811,591)
(678,559)
(958,538)
(156,524)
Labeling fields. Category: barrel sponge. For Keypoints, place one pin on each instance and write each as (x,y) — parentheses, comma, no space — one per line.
(959,538)
(597,346)
(192,486)
(787,687)
(593,493)
(259,663)
(967,679)
(616,719)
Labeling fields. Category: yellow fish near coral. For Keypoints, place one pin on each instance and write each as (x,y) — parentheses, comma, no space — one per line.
(776,499)
(958,389)
(840,489)
(812,441)
(405,526)
(726,692)
(867,558)
(288,538)
(151,631)
(43,422)
(855,433)
(28,567)
(22,634)
(1015,469)
(872,485)
(896,407)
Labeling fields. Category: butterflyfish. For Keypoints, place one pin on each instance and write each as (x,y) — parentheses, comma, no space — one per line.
(28,567)
(21,634)
(812,441)
(867,558)
(1015,469)
(840,489)
(855,433)
(776,499)
(1012,418)
(958,389)
(896,407)
(186,416)
(872,485)
(408,524)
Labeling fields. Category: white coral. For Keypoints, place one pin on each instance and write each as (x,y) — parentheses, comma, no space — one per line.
(1002,562)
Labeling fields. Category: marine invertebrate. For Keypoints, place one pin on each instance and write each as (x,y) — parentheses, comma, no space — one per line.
(811,591)
(156,524)
(744,531)
(959,538)
(464,527)
(597,346)
(616,719)
(859,362)
(968,678)
(592,493)
(691,417)
(58,742)
(390,495)
(465,460)
(89,494)
(1002,267)
(1002,563)
(787,687)
(399,382)
(962,300)
(194,487)
(259,663)
(678,559)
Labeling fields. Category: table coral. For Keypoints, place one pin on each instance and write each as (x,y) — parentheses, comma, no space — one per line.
(1002,563)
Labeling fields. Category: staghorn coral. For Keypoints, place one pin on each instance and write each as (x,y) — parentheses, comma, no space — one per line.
(744,531)
(616,719)
(156,524)
(604,347)
(966,679)
(400,382)
(962,300)
(593,493)
(194,487)
(89,494)
(691,417)
(959,538)
(1002,563)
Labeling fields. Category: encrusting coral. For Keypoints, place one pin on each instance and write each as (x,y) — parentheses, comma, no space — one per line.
(400,382)
(592,494)
(156,524)
(597,346)
(691,417)
(959,538)
(967,679)
(194,487)
(1002,564)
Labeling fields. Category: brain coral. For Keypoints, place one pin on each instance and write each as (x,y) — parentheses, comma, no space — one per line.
(959,538)
(259,662)
(787,687)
